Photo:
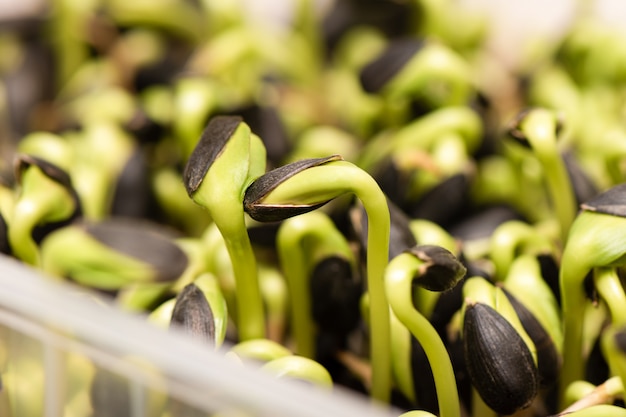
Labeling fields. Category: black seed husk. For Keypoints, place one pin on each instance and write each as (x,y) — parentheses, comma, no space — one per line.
(445,203)
(193,313)
(612,201)
(443,271)
(498,361)
(390,62)
(131,196)
(335,295)
(52,171)
(264,185)
(584,187)
(142,240)
(212,141)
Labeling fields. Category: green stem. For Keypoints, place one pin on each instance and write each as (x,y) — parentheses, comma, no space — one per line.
(379,226)
(49,202)
(324,183)
(513,237)
(398,279)
(293,265)
(250,313)
(573,301)
(297,237)
(540,129)
(592,243)
(610,288)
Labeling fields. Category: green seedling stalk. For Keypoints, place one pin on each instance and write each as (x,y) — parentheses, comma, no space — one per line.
(594,241)
(611,291)
(41,200)
(614,353)
(401,352)
(525,282)
(398,281)
(539,127)
(275,297)
(293,241)
(194,100)
(232,172)
(102,150)
(324,183)
(511,239)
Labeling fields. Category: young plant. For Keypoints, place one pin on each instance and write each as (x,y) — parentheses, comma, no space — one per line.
(225,161)
(539,129)
(112,254)
(436,269)
(303,242)
(200,309)
(513,238)
(45,199)
(423,70)
(305,185)
(499,355)
(538,311)
(596,239)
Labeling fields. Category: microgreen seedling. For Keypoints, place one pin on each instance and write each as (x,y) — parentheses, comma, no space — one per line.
(596,239)
(305,185)
(302,241)
(539,129)
(224,162)
(499,354)
(113,254)
(45,197)
(436,269)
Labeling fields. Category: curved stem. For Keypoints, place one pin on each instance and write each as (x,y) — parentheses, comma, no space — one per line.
(507,240)
(592,243)
(398,280)
(375,205)
(609,286)
(49,203)
(540,130)
(324,183)
(308,229)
